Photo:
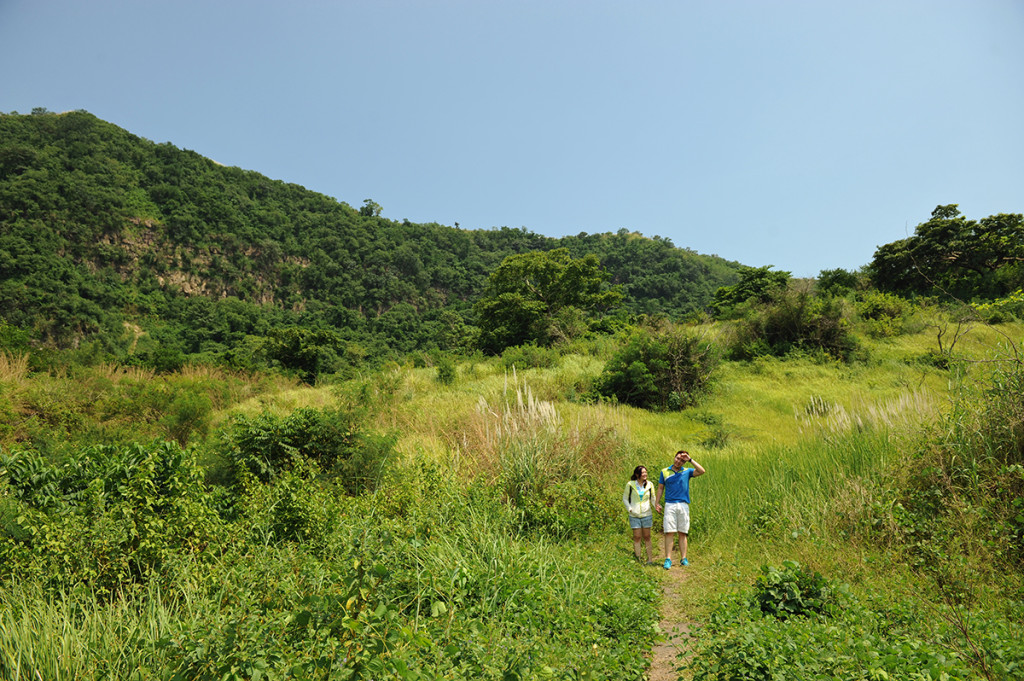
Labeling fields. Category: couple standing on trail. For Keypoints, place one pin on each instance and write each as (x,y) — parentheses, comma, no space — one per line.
(674,490)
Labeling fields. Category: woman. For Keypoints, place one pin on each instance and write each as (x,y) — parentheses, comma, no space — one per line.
(639,501)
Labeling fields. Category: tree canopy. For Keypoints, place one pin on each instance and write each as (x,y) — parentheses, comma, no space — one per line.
(756,284)
(541,297)
(951,256)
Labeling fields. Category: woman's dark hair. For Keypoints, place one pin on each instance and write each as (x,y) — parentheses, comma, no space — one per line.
(636,472)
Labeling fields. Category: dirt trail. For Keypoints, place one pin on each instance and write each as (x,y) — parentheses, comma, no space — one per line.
(674,624)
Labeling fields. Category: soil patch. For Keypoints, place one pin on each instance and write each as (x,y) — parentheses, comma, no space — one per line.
(674,625)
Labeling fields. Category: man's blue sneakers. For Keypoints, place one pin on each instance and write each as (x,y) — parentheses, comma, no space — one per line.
(667,564)
(685,562)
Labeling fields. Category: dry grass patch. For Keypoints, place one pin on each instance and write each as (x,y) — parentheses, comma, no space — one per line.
(13,368)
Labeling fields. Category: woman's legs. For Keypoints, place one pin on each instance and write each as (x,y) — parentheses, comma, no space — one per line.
(637,534)
(646,539)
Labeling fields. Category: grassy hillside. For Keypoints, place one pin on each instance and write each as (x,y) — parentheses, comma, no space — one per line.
(493,545)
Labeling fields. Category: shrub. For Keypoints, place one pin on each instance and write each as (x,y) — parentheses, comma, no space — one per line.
(669,369)
(189,412)
(794,590)
(529,356)
(884,314)
(367,463)
(446,371)
(795,321)
(1003,309)
(564,509)
(109,516)
(293,507)
(542,481)
(266,445)
(857,643)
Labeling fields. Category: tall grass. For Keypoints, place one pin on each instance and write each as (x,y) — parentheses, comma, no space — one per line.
(13,368)
(778,491)
(74,636)
(527,441)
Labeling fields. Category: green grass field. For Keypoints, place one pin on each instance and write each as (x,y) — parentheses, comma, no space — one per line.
(497,548)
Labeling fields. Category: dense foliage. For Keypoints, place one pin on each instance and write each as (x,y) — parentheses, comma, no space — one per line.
(756,285)
(794,623)
(795,321)
(660,369)
(311,559)
(160,254)
(542,298)
(953,257)
(949,513)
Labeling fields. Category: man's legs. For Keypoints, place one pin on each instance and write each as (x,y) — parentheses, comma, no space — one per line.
(683,541)
(670,540)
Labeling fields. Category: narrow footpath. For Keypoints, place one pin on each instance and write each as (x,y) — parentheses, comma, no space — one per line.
(674,625)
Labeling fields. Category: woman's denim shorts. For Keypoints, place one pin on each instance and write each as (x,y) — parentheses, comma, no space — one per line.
(641,523)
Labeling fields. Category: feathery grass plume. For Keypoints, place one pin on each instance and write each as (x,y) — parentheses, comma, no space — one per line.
(519,430)
(553,474)
(905,410)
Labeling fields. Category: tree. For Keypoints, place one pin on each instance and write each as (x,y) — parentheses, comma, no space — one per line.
(370,209)
(837,282)
(668,369)
(307,351)
(533,297)
(757,284)
(951,256)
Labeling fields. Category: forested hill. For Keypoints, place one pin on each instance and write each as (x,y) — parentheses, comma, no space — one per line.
(128,246)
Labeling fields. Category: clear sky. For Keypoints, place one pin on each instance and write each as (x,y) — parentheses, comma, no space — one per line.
(799,134)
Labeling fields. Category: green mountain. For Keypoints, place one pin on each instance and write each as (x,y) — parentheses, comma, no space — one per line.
(147,250)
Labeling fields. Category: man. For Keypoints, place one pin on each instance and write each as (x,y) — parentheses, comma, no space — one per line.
(674,488)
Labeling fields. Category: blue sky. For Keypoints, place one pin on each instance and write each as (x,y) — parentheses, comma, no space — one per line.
(798,134)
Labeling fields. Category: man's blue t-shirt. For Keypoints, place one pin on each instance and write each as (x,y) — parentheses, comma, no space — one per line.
(677,485)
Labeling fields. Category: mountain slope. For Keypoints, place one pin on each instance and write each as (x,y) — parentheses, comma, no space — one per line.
(100,228)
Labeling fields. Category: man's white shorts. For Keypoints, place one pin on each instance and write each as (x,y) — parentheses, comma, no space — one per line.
(677,517)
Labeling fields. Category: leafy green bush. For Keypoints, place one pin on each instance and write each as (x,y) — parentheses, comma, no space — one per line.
(884,314)
(669,369)
(109,516)
(187,415)
(529,356)
(795,321)
(793,590)
(790,626)
(446,370)
(265,446)
(294,506)
(1003,309)
(741,646)
(565,509)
